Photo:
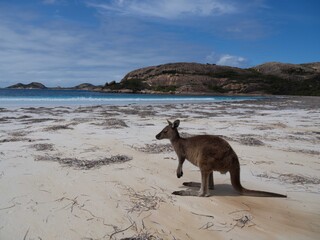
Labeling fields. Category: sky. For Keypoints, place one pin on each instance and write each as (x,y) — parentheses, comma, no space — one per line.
(68,42)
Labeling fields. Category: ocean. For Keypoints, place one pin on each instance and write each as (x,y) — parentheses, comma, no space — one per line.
(49,97)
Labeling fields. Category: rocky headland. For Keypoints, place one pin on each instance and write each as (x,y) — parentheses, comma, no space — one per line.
(268,78)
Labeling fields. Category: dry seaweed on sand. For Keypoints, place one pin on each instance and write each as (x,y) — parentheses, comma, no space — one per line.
(304,151)
(243,221)
(4,110)
(85,164)
(250,141)
(298,179)
(147,113)
(291,178)
(5,120)
(111,123)
(155,148)
(142,236)
(115,123)
(57,127)
(16,139)
(19,133)
(37,120)
(43,147)
(143,201)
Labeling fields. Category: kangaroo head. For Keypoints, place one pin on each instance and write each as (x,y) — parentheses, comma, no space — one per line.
(170,131)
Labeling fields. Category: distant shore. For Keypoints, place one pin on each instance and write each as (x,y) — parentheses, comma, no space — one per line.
(273,78)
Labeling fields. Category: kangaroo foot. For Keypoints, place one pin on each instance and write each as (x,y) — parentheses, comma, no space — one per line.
(203,194)
(184,193)
(195,184)
(191,184)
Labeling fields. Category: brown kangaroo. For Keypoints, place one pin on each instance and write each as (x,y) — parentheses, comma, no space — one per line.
(210,153)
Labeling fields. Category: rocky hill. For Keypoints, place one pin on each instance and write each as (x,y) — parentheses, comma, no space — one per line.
(290,71)
(33,85)
(36,85)
(191,78)
(87,86)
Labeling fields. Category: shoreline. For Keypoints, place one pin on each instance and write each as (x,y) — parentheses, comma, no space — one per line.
(143,92)
(49,98)
(97,172)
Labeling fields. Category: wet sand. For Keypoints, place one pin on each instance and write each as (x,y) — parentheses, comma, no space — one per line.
(97,172)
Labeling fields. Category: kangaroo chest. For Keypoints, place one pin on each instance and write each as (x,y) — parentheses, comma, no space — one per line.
(183,152)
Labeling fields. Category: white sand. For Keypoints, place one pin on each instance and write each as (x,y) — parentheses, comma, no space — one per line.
(47,200)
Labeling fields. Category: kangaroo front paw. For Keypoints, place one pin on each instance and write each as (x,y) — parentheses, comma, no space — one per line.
(179,174)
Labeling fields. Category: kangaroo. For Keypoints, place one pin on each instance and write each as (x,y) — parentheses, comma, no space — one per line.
(210,153)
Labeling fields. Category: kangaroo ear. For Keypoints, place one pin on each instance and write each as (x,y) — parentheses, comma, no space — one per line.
(176,124)
(170,123)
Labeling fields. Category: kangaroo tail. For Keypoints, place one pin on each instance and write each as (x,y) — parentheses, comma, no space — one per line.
(235,181)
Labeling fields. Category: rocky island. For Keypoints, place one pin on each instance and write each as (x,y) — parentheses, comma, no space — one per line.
(33,85)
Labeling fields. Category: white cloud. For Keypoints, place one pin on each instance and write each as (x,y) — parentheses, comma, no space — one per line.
(167,9)
(56,55)
(66,55)
(61,52)
(227,60)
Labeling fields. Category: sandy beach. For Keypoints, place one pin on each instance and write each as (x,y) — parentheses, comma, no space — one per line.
(97,172)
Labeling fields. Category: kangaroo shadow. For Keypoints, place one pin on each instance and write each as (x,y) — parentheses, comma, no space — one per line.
(192,189)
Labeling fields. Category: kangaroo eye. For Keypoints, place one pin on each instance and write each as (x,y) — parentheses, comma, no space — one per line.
(165,131)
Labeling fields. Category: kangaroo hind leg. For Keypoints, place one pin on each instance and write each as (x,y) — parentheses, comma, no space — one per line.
(211,181)
(204,189)
(198,185)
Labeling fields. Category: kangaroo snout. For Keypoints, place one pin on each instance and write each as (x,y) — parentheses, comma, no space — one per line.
(158,136)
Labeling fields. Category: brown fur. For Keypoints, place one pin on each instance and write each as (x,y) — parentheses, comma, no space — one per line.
(210,153)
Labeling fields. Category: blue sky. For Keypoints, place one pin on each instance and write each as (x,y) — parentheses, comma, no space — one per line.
(68,42)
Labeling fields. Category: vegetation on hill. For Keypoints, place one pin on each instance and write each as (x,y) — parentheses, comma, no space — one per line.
(269,78)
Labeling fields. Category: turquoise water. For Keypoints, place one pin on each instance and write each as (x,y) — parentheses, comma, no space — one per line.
(48,97)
